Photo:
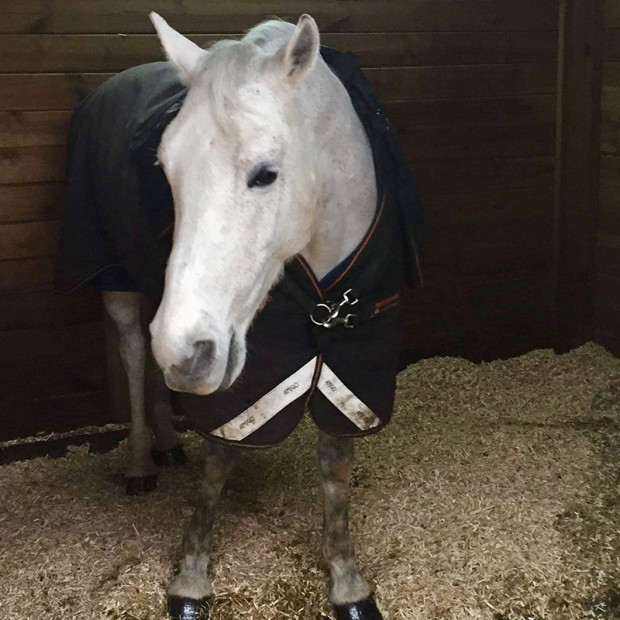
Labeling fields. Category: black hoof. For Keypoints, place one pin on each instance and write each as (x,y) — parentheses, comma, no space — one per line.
(175,457)
(140,485)
(362,610)
(182,608)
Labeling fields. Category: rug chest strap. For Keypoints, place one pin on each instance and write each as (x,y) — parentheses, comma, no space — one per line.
(329,314)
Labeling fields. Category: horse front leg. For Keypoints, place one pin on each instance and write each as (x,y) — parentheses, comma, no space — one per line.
(124,308)
(350,594)
(190,594)
(167,450)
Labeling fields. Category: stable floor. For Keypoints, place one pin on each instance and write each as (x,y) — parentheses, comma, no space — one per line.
(493,494)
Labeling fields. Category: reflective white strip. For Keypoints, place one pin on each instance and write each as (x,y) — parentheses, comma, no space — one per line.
(342,397)
(269,405)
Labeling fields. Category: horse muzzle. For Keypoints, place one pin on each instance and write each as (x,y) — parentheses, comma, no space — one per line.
(204,366)
(194,373)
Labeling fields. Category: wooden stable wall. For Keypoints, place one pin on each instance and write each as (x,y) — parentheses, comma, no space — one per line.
(470,85)
(607,297)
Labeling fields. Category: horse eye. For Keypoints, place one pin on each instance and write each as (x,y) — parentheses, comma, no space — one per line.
(262,177)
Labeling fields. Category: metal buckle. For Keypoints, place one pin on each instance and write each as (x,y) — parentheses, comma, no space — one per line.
(333,318)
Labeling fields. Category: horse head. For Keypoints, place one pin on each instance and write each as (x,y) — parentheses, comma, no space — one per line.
(239,161)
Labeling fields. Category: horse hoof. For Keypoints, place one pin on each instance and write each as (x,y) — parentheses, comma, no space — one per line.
(175,457)
(362,610)
(183,608)
(140,485)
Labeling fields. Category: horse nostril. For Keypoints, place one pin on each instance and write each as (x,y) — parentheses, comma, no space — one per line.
(194,369)
(200,362)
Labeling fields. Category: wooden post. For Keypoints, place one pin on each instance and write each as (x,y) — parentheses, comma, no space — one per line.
(580,63)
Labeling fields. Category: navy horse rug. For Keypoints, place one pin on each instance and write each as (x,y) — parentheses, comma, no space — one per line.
(328,345)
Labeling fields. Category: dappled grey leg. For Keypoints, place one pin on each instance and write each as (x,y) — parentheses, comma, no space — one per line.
(124,308)
(350,593)
(190,593)
(167,451)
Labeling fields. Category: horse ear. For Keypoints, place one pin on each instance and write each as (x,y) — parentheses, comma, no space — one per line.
(299,55)
(179,49)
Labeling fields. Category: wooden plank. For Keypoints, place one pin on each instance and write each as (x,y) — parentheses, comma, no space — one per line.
(83,341)
(58,414)
(608,292)
(526,232)
(38,128)
(463,81)
(407,115)
(508,300)
(56,91)
(57,446)
(475,249)
(610,137)
(89,53)
(500,339)
(218,16)
(611,74)
(477,141)
(497,340)
(491,260)
(609,209)
(481,261)
(612,14)
(450,319)
(29,239)
(607,317)
(610,170)
(608,255)
(611,44)
(515,301)
(457,308)
(26,274)
(487,207)
(40,201)
(42,380)
(581,61)
(46,308)
(41,91)
(70,53)
(481,175)
(610,102)
(33,164)
(610,122)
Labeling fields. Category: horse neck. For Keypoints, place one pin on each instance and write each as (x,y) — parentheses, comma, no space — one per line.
(347,186)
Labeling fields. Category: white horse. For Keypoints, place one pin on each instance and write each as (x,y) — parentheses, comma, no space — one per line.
(270,131)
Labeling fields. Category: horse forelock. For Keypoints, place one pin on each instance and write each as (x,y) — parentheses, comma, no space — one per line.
(232,66)
(269,35)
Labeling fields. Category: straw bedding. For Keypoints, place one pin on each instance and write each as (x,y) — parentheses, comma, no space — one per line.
(493,494)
